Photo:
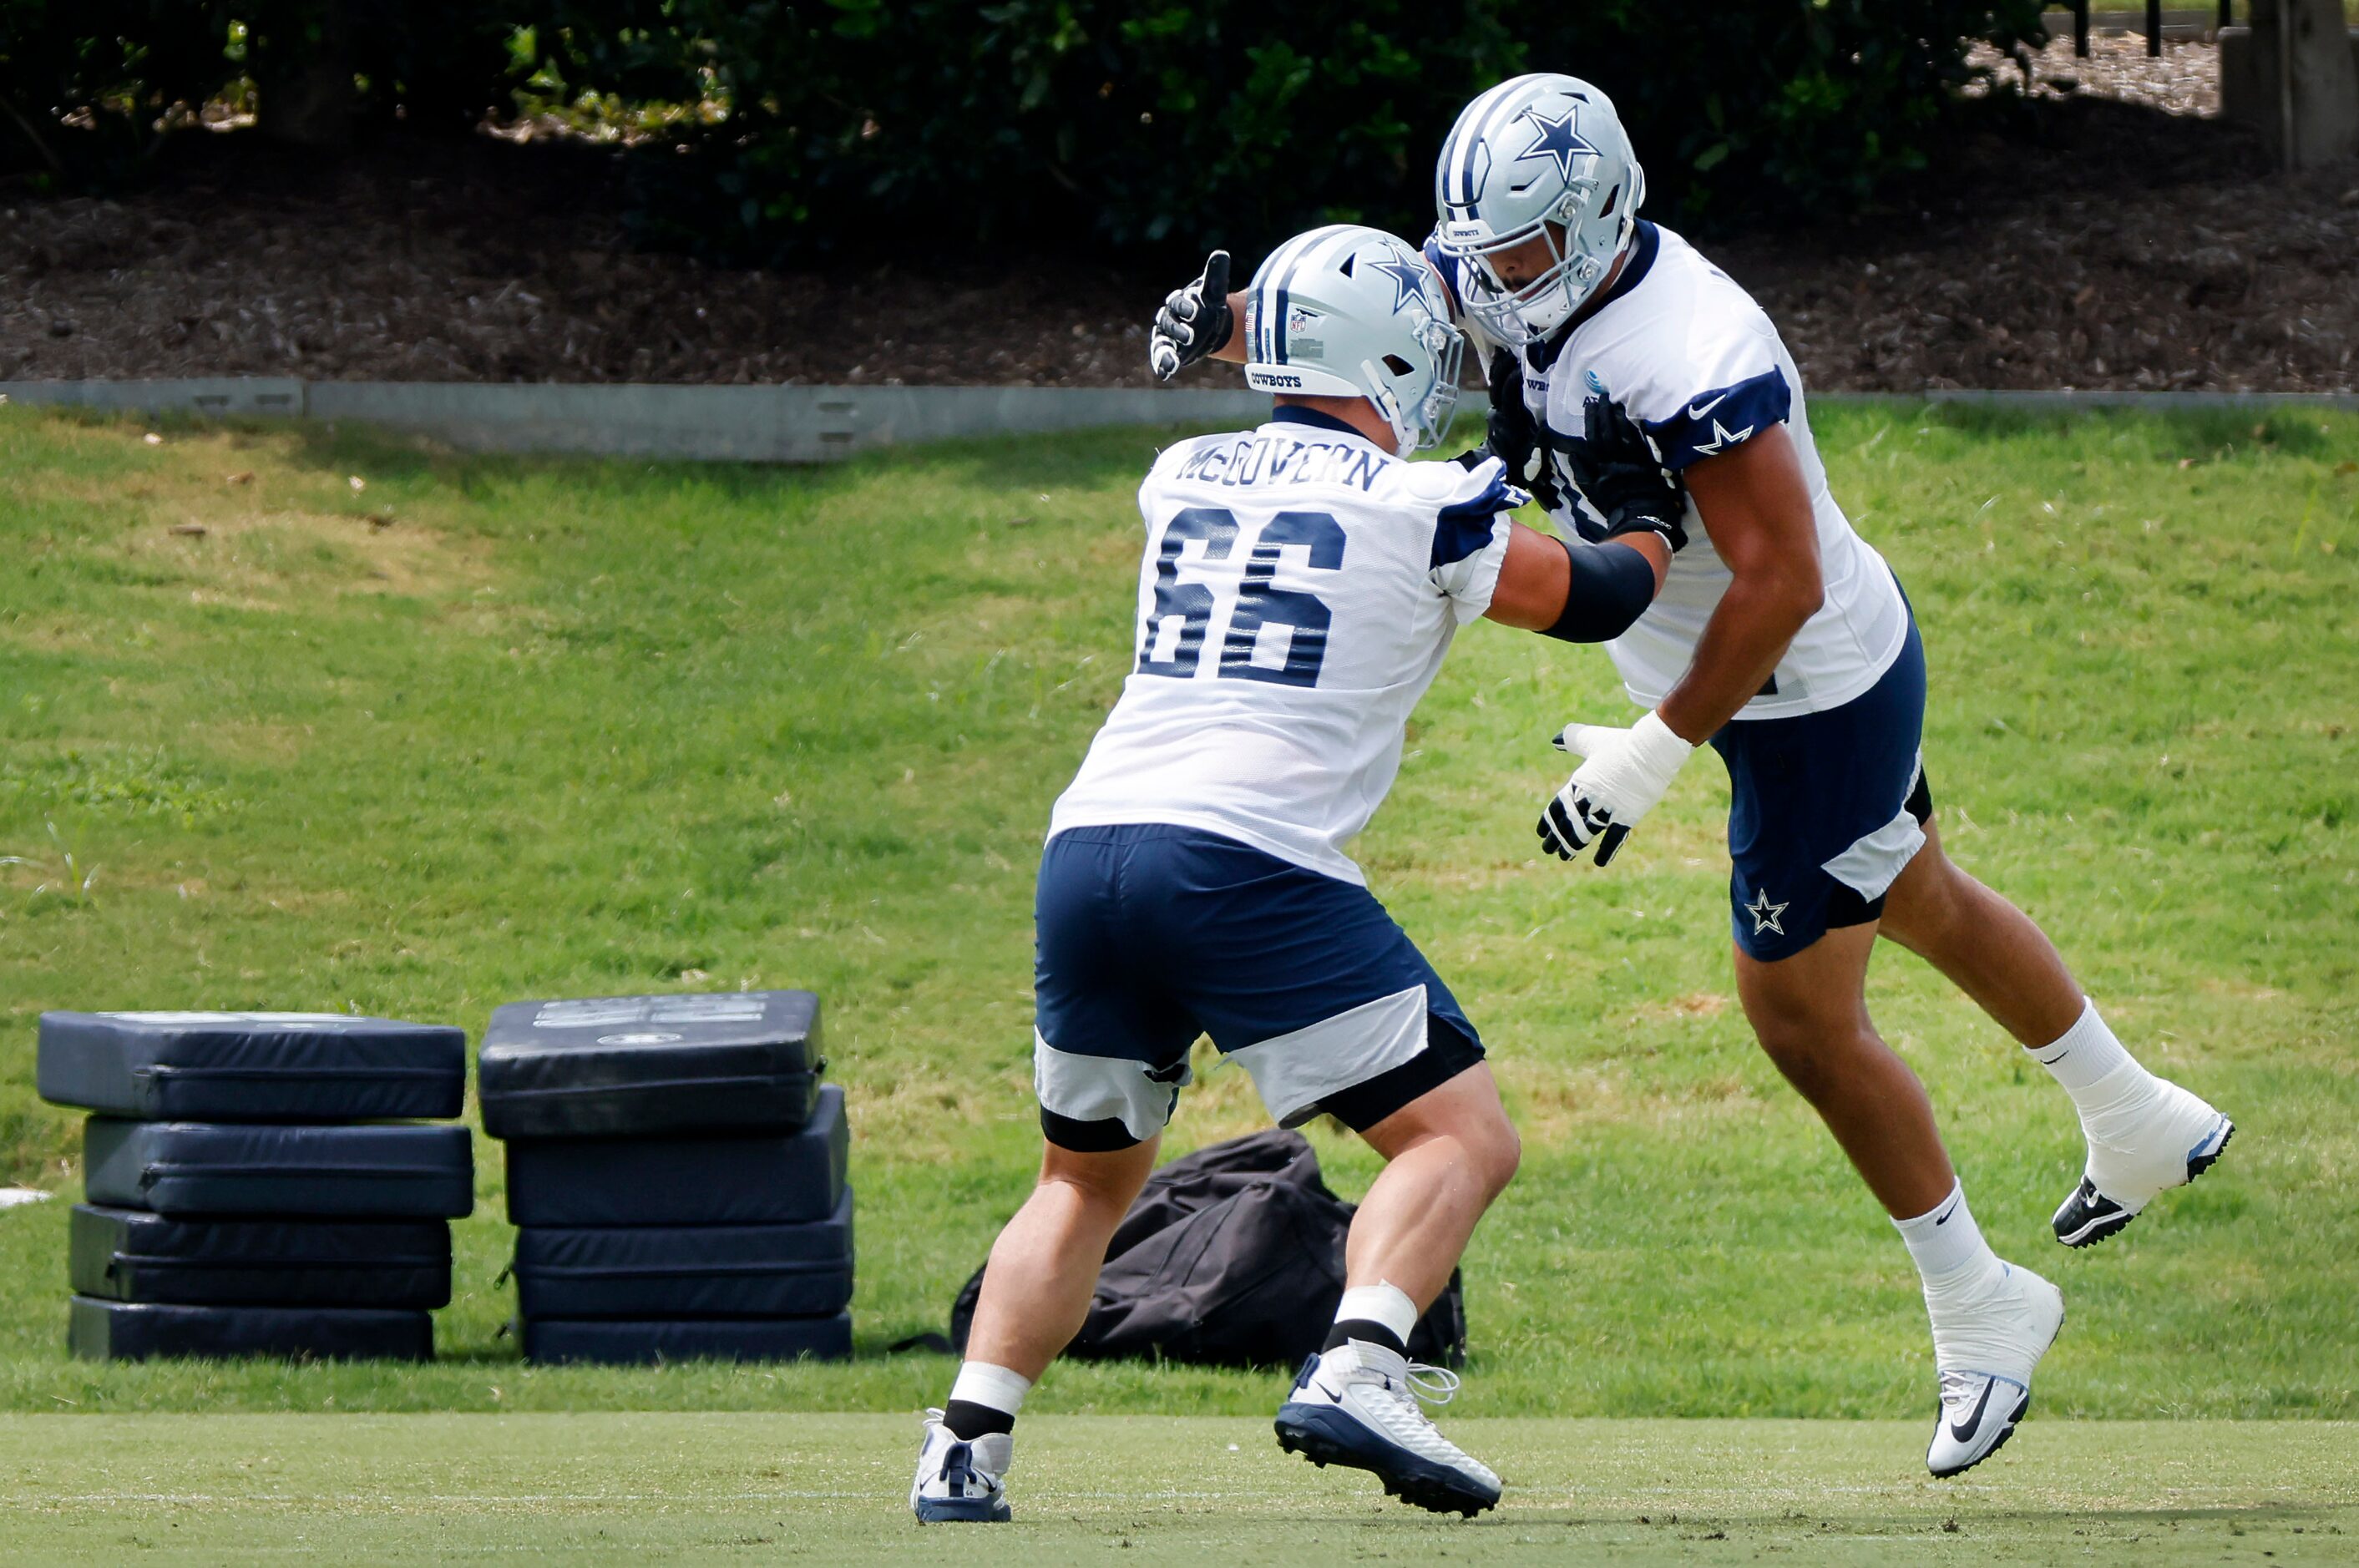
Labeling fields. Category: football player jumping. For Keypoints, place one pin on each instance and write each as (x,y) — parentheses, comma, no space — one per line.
(1298,588)
(1783,641)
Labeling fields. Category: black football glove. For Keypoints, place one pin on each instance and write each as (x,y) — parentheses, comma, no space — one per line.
(1194,321)
(1512,437)
(1620,474)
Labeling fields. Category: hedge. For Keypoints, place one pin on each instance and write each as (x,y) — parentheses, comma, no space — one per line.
(1031,123)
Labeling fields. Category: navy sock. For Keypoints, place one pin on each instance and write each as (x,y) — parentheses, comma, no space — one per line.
(1366,1332)
(968,1420)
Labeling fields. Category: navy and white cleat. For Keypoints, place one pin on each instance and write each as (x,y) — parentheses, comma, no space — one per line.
(2158,1137)
(1357,1406)
(1987,1341)
(959,1480)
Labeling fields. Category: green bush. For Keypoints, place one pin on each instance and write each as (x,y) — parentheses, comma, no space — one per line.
(90,89)
(768,129)
(1083,122)
(83,83)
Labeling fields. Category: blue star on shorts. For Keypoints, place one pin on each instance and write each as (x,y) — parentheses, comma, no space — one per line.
(1556,139)
(1765,914)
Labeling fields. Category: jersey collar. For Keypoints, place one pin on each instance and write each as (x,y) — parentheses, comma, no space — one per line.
(1295,414)
(1647,245)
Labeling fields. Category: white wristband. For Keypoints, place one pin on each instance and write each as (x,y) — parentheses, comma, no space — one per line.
(1656,752)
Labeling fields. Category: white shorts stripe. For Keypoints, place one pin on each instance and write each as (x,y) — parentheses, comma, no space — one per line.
(1870,866)
(1294,1072)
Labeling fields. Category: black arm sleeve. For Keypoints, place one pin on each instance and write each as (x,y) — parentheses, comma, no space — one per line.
(1612,586)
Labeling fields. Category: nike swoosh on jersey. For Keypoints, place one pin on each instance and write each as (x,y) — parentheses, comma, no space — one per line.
(1699,412)
(1967,1433)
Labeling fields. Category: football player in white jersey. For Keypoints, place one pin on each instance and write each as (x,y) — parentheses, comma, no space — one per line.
(1300,587)
(1783,640)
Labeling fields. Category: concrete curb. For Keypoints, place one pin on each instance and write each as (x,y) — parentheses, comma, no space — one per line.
(744,424)
(2054,402)
(823,424)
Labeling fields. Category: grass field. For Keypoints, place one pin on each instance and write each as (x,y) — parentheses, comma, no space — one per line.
(477,730)
(410,1489)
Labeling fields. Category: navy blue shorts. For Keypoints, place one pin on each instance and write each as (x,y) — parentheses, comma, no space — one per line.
(1825,810)
(1150,935)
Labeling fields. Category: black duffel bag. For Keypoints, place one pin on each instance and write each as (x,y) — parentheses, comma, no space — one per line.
(1232,1256)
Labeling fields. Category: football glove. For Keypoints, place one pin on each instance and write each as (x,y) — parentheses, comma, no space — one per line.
(1512,435)
(1194,323)
(1624,774)
(1619,472)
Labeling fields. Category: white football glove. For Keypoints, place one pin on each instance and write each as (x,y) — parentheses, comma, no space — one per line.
(1624,775)
(1194,321)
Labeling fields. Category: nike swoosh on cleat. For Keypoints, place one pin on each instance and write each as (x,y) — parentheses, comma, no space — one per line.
(1967,1433)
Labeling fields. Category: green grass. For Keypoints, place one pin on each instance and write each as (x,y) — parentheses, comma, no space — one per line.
(570,728)
(404,1489)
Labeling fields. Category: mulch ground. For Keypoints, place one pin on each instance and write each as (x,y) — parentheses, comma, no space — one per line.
(2109,234)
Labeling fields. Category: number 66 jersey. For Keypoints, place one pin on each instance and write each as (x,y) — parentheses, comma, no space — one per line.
(1299,588)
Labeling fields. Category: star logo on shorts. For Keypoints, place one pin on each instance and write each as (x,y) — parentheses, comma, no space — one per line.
(1765,913)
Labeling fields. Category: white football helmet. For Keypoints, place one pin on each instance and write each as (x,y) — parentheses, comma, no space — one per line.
(1348,311)
(1536,151)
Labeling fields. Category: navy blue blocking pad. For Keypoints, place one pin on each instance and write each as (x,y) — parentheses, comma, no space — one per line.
(639,1344)
(134,1330)
(252,1067)
(734,1179)
(686,1271)
(647,1066)
(330,1172)
(129,1254)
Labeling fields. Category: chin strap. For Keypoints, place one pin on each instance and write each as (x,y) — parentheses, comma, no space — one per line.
(1387,404)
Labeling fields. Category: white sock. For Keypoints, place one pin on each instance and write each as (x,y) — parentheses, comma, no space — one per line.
(1379,1303)
(1946,1244)
(994,1388)
(2087,1061)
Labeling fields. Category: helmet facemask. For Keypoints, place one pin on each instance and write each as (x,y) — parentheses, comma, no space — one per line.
(1419,409)
(1533,311)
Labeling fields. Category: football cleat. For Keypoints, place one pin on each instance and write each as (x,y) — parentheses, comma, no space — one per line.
(1987,1338)
(2159,1137)
(1357,1406)
(959,1478)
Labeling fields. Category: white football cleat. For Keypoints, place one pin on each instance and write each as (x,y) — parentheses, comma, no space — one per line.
(2154,1137)
(1987,1338)
(1357,1405)
(959,1479)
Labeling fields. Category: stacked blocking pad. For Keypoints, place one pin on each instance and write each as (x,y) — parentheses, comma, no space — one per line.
(257,1184)
(676,1169)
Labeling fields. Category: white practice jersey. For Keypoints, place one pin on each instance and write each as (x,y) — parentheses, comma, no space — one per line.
(1689,355)
(1298,590)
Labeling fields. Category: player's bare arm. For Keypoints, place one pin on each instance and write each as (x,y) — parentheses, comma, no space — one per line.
(1757,510)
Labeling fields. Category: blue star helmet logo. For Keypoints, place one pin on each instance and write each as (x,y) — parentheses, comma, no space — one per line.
(1557,140)
(1408,281)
